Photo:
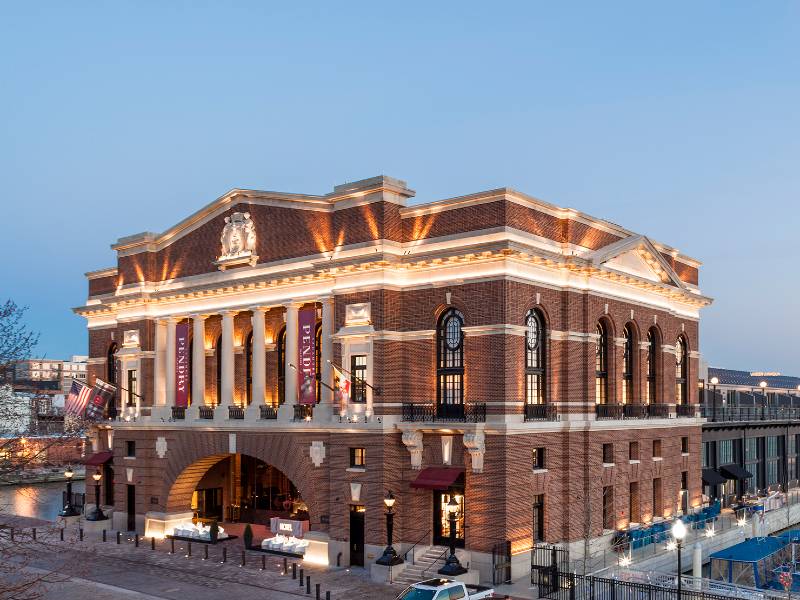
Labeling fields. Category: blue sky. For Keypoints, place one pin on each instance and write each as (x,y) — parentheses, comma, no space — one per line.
(678,120)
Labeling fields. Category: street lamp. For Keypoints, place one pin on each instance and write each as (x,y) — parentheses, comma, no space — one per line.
(763,386)
(389,557)
(452,566)
(97,514)
(68,510)
(714,383)
(679,532)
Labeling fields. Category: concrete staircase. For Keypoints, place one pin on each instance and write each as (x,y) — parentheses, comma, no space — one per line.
(425,566)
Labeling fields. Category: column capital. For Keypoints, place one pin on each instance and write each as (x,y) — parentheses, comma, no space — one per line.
(199,316)
(255,309)
(230,312)
(293,304)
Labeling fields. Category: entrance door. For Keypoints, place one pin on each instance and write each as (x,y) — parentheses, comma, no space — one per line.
(441,518)
(131,508)
(357,535)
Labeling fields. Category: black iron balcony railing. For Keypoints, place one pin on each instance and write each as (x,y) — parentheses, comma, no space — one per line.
(658,411)
(718,413)
(235,412)
(179,413)
(303,412)
(540,412)
(445,413)
(686,410)
(635,411)
(609,411)
(206,412)
(268,412)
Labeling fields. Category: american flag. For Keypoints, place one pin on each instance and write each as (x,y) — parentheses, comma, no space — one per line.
(79,396)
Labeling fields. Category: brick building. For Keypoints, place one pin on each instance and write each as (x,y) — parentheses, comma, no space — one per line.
(533,363)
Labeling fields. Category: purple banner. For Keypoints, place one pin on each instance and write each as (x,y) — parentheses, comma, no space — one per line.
(182,364)
(307,356)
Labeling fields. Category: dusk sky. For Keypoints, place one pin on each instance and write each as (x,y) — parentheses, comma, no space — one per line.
(680,121)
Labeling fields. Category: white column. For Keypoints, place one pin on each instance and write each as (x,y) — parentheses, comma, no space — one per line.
(290,366)
(259,373)
(169,362)
(160,363)
(326,351)
(227,360)
(198,359)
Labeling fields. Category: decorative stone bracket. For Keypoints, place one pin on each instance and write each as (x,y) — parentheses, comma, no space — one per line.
(317,452)
(161,447)
(413,441)
(475,444)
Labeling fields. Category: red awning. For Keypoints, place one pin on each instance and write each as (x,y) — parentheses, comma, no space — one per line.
(437,478)
(100,458)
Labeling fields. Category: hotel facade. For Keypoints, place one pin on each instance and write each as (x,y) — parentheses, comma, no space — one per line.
(536,365)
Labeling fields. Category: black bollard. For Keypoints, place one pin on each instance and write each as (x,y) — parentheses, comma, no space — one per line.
(263,563)
(34,534)
(301,577)
(205,551)
(241,565)
(285,566)
(328,595)
(80,533)
(104,535)
(189,550)
(224,554)
(136,540)
(12,534)
(308,584)
(61,533)
(172,545)
(119,537)
(294,570)
(317,591)
(152,543)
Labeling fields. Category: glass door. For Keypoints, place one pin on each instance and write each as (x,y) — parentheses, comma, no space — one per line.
(441,519)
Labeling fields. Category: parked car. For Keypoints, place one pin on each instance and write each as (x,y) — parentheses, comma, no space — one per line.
(445,589)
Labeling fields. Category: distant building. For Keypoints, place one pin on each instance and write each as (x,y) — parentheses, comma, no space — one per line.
(48,376)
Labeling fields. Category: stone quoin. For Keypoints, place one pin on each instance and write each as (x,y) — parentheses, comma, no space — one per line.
(535,364)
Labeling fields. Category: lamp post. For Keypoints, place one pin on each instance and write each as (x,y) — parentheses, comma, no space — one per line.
(389,557)
(679,532)
(68,510)
(452,566)
(714,383)
(97,514)
(763,386)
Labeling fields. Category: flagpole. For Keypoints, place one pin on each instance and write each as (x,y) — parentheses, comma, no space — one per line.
(377,390)
(320,380)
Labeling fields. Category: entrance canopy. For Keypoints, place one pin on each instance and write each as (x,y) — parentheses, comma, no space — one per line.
(735,472)
(437,478)
(99,458)
(711,477)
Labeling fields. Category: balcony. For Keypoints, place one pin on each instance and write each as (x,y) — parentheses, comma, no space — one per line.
(236,412)
(540,412)
(446,413)
(178,413)
(635,411)
(658,411)
(719,414)
(206,412)
(686,410)
(303,412)
(609,411)
(268,412)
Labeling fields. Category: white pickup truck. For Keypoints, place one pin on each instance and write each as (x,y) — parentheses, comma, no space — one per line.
(445,589)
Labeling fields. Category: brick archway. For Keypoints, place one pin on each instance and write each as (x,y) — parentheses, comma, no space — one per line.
(288,453)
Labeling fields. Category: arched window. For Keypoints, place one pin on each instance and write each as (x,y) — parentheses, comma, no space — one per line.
(628,361)
(111,364)
(652,365)
(681,379)
(450,364)
(601,365)
(248,368)
(218,352)
(282,365)
(535,392)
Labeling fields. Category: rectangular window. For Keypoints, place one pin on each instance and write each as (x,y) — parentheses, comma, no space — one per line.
(538,518)
(132,391)
(633,503)
(633,451)
(608,454)
(656,448)
(751,450)
(608,507)
(725,452)
(772,446)
(538,458)
(358,368)
(130,448)
(358,457)
(658,501)
(685,444)
(772,472)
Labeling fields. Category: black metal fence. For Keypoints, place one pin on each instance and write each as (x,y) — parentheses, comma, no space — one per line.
(474,412)
(78,499)
(501,563)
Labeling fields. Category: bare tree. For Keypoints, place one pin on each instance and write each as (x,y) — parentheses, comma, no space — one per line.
(22,449)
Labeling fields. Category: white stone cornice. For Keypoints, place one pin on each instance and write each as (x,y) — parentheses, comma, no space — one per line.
(573,336)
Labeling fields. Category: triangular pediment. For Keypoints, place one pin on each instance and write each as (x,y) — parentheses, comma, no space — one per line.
(637,256)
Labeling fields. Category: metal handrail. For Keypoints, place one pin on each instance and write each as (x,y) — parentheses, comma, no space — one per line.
(446,550)
(405,554)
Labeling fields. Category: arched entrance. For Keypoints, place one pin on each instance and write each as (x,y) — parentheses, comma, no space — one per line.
(236,488)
